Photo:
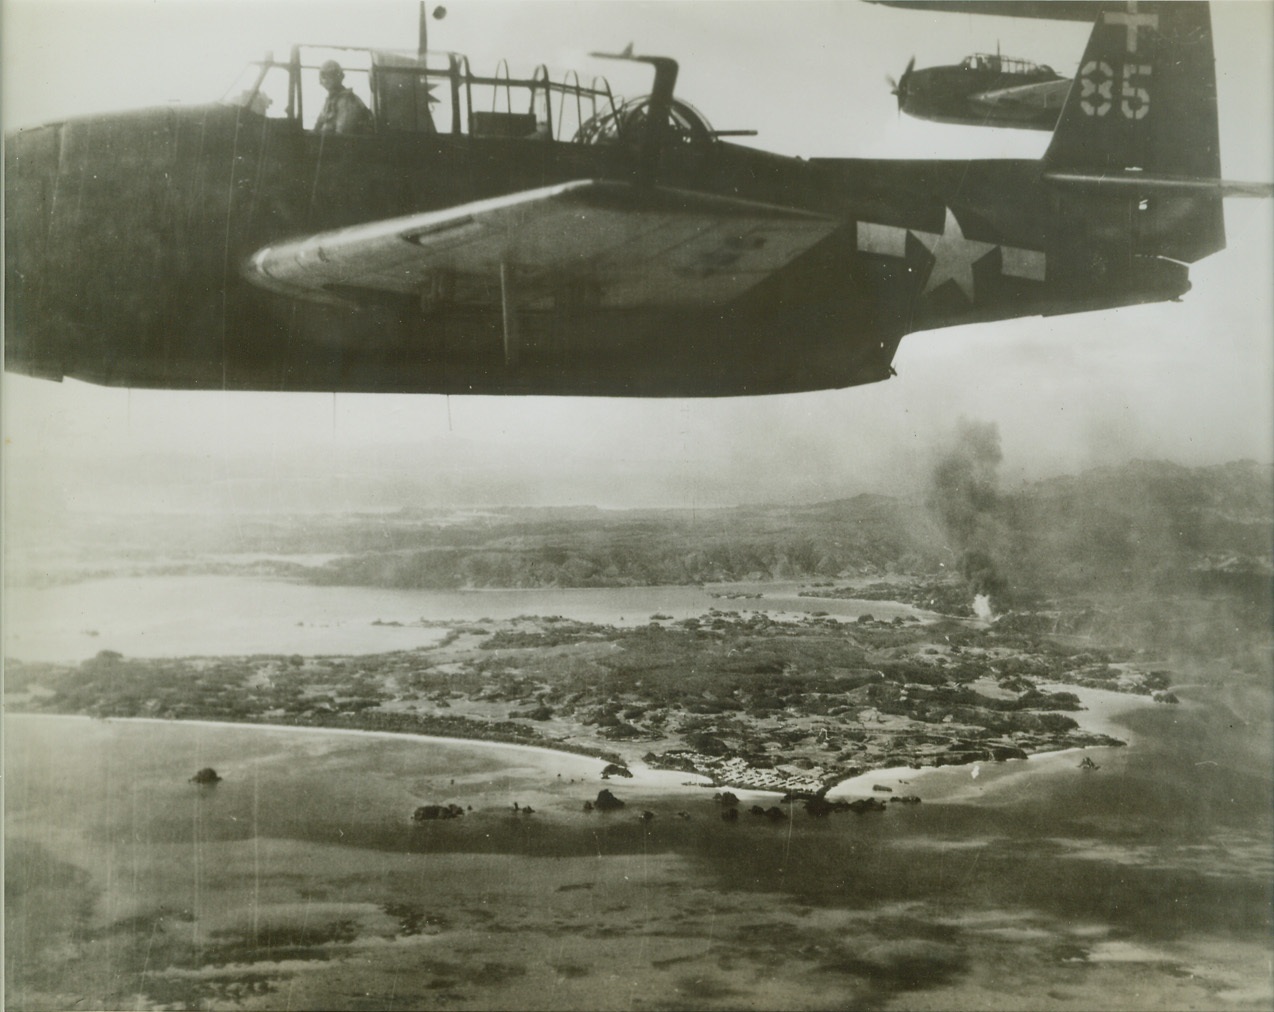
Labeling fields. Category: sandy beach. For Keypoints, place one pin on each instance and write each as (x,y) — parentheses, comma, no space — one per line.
(952,784)
(981,781)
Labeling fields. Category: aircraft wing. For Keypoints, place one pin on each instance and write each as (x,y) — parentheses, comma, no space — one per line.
(615,244)
(1039,96)
(1053,10)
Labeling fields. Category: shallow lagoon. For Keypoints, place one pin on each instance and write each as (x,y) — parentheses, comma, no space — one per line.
(181,616)
(300,881)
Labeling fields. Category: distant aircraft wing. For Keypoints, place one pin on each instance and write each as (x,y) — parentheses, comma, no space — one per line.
(615,244)
(1040,96)
(1053,10)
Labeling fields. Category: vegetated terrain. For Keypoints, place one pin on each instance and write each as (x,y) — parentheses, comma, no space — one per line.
(1146,524)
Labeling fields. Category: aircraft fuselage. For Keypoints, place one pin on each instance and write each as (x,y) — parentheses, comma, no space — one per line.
(127,235)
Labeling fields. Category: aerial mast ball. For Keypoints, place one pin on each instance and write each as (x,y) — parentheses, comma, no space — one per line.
(422,45)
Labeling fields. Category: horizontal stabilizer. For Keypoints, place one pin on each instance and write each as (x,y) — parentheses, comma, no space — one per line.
(1133,183)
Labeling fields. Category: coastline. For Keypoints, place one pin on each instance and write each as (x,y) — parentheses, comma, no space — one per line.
(495,891)
(951,783)
(311,729)
(962,783)
(643,776)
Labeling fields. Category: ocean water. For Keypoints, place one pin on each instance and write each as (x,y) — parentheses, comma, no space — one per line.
(300,880)
(171,616)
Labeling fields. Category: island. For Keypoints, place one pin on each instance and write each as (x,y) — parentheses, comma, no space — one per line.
(787,703)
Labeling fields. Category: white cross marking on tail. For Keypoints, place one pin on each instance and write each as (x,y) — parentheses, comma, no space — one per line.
(1132,21)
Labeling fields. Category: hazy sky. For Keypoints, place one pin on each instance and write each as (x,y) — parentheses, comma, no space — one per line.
(1191,382)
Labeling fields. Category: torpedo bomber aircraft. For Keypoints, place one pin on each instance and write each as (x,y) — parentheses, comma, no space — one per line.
(985,89)
(494,235)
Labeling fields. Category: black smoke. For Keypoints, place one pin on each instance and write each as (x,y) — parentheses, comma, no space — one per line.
(964,496)
(983,576)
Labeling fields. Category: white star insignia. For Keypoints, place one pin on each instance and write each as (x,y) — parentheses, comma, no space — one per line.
(953,256)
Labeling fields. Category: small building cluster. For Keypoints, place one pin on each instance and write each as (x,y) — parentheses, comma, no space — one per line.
(738,772)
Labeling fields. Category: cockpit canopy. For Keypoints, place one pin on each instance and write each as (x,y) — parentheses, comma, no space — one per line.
(996,64)
(439,93)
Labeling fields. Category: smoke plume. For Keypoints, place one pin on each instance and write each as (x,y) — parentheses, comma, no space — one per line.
(964,497)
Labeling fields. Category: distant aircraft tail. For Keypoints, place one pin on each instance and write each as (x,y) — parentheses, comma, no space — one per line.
(1138,132)
(1127,196)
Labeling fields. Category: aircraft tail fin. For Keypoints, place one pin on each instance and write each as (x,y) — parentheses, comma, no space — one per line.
(1142,114)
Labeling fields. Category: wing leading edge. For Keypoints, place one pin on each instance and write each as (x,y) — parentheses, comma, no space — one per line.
(1043,95)
(613,244)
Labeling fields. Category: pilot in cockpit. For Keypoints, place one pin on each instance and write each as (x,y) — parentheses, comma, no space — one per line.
(343,112)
